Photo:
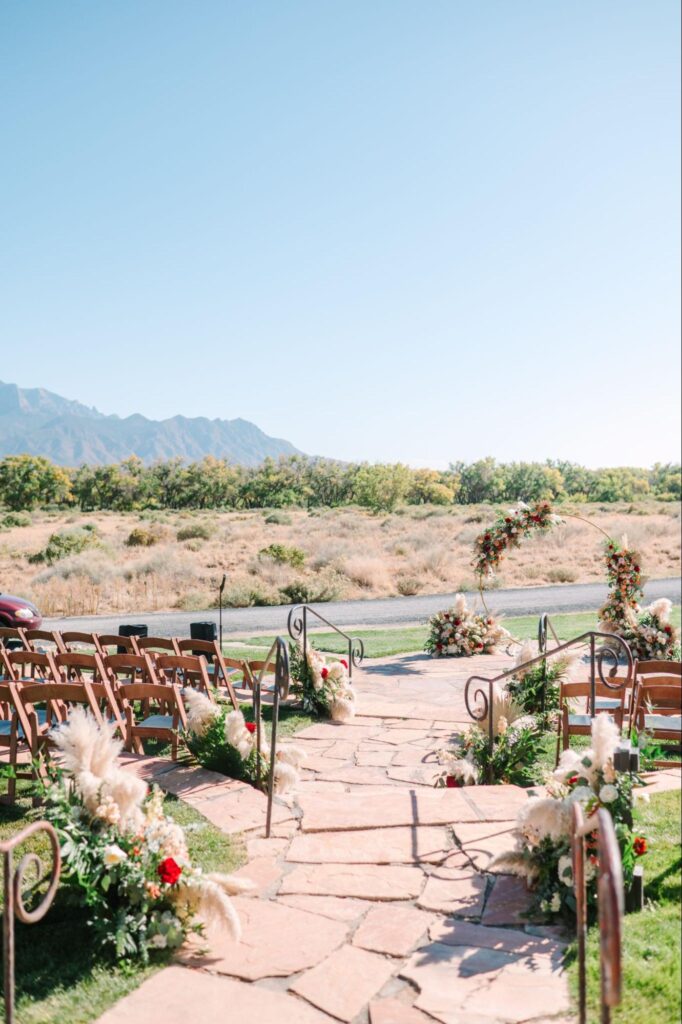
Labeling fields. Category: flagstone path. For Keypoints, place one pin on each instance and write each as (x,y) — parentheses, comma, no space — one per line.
(370,903)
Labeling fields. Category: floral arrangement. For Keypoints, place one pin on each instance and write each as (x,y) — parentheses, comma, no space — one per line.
(517,739)
(527,684)
(647,631)
(507,532)
(129,860)
(324,687)
(543,825)
(459,632)
(223,741)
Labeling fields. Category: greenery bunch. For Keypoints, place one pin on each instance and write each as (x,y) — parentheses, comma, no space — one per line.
(324,688)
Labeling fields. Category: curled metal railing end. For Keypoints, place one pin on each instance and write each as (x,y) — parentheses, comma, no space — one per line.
(295,622)
(611,654)
(15,907)
(356,650)
(479,710)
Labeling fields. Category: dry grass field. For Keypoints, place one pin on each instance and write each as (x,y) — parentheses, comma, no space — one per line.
(333,554)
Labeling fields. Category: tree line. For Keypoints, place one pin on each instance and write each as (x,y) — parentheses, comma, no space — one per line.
(28,482)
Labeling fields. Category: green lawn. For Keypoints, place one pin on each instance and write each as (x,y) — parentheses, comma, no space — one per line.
(380,643)
(651,938)
(60,977)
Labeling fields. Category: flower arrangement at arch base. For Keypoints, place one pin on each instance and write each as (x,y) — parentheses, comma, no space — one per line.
(223,741)
(543,826)
(323,687)
(647,631)
(127,858)
(460,632)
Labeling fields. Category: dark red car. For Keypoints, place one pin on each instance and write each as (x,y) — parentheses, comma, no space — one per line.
(16,611)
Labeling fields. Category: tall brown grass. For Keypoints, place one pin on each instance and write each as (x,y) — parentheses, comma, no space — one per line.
(349,553)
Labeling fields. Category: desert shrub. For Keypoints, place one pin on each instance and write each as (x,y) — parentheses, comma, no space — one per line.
(562,575)
(195,531)
(12,519)
(66,543)
(248,594)
(283,555)
(278,519)
(309,591)
(142,537)
(88,567)
(408,586)
(195,601)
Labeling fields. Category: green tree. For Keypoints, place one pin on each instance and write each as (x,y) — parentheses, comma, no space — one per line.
(29,481)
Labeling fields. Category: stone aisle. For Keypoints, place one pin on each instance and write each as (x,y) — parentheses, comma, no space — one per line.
(371,903)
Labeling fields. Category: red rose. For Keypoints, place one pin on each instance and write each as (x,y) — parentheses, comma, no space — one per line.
(573,779)
(639,846)
(250,726)
(452,782)
(169,871)
(325,672)
(344,663)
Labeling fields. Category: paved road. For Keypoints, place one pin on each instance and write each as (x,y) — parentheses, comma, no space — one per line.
(395,611)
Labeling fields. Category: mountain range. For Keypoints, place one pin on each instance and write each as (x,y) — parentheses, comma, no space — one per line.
(37,422)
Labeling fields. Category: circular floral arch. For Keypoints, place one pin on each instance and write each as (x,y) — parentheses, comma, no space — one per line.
(647,631)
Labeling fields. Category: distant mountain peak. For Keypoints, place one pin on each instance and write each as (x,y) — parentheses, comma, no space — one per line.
(38,422)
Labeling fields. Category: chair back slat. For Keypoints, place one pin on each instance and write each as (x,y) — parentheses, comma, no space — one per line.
(106,640)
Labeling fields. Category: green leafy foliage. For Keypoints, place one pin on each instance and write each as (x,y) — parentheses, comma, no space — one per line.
(66,543)
(283,555)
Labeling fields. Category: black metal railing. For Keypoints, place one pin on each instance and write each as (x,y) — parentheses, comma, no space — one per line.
(297,625)
(279,656)
(14,906)
(613,651)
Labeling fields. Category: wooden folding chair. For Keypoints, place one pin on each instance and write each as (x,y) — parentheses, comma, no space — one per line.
(42,640)
(220,669)
(81,668)
(28,666)
(253,668)
(58,699)
(658,708)
(79,643)
(12,638)
(124,669)
(155,645)
(645,669)
(572,723)
(14,736)
(164,723)
(185,670)
(106,641)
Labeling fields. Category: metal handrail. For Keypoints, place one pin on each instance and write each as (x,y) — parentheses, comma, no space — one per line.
(14,901)
(297,625)
(281,691)
(607,653)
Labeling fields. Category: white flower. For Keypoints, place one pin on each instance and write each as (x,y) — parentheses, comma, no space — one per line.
(565,869)
(661,609)
(607,794)
(158,941)
(555,903)
(114,855)
(581,795)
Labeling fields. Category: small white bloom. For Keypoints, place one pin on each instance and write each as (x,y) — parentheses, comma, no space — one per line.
(608,793)
(114,855)
(555,903)
(565,869)
(581,794)
(158,941)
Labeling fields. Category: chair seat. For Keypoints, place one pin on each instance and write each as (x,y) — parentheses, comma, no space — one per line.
(6,726)
(669,723)
(156,722)
(608,703)
(580,720)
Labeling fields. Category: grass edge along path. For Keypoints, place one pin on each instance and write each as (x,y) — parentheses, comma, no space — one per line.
(651,938)
(382,643)
(60,978)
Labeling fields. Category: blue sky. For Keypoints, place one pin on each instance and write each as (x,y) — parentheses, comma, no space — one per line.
(382,229)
